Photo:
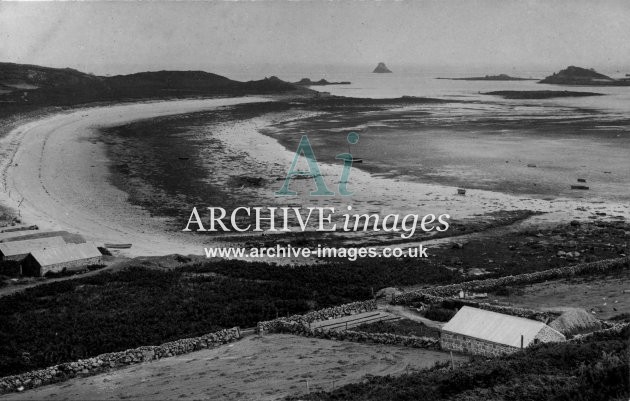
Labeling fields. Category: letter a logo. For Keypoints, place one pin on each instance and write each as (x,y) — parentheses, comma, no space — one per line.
(313,171)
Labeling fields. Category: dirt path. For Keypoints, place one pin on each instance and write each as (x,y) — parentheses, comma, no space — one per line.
(406,313)
(57,176)
(255,368)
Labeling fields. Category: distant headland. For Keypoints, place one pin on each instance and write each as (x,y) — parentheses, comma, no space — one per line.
(33,85)
(581,76)
(381,68)
(321,82)
(500,77)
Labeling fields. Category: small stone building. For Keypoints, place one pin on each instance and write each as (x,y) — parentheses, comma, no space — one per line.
(18,250)
(69,257)
(482,332)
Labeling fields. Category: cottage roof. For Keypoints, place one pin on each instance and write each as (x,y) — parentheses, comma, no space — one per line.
(24,247)
(495,327)
(67,253)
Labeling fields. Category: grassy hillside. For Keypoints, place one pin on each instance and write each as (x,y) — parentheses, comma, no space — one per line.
(31,85)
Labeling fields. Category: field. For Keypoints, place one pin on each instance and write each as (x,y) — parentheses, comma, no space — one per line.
(606,297)
(255,368)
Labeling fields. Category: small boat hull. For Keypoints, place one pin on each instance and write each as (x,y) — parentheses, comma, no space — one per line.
(118,246)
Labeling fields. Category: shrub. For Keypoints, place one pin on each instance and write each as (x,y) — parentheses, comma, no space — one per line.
(439,314)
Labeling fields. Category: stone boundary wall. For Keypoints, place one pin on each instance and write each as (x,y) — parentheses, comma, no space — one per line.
(613,328)
(507,310)
(531,314)
(105,362)
(492,284)
(272,326)
(296,328)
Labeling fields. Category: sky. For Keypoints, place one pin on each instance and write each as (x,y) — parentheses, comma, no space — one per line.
(122,37)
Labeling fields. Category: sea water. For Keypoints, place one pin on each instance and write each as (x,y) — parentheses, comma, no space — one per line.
(530,147)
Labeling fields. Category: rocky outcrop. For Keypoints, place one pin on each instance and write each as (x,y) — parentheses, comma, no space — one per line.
(321,82)
(500,77)
(113,360)
(581,76)
(544,94)
(381,68)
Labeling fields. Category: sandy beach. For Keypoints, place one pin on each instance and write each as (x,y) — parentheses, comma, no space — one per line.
(58,174)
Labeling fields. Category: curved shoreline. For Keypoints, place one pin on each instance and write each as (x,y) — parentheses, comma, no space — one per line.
(58,174)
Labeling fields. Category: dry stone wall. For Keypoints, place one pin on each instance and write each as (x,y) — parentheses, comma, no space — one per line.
(295,328)
(299,325)
(272,326)
(487,285)
(112,360)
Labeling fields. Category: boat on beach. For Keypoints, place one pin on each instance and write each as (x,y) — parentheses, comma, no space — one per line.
(118,246)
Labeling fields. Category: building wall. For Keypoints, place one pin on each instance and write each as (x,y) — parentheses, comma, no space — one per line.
(548,334)
(30,267)
(470,345)
(71,265)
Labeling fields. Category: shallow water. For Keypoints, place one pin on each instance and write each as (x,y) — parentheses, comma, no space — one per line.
(476,141)
(522,149)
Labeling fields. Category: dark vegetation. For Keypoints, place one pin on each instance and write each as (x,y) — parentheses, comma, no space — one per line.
(544,94)
(597,369)
(535,249)
(439,313)
(113,311)
(402,327)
